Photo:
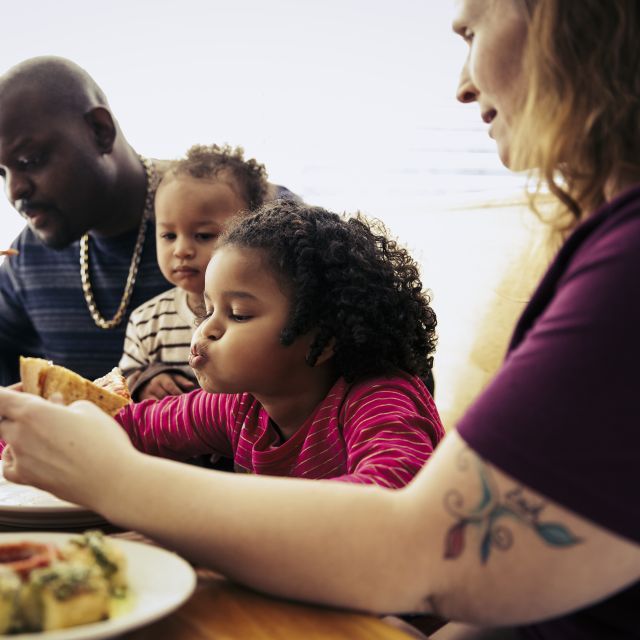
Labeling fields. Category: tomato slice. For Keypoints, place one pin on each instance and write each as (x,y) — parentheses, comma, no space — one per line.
(23,557)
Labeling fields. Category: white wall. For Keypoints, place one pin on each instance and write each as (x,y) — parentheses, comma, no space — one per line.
(350,103)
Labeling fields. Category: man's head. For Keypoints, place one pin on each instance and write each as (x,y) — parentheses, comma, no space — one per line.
(57,138)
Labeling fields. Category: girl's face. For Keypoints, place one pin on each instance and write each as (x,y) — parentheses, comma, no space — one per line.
(190,214)
(237,347)
(495,32)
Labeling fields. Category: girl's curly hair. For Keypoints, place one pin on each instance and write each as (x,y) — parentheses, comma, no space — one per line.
(209,162)
(350,282)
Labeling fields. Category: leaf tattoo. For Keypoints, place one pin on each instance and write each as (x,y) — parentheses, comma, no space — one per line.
(488,514)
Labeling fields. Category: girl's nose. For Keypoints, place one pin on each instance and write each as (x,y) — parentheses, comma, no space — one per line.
(212,328)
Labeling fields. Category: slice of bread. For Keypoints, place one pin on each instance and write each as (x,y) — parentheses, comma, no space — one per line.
(43,378)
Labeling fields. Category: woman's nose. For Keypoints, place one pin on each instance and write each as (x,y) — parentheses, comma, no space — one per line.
(466,92)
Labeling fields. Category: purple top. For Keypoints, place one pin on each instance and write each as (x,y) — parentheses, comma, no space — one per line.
(562,414)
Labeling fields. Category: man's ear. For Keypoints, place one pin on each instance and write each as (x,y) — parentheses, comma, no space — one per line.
(102,127)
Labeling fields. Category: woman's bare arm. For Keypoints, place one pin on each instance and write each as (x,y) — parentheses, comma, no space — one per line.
(463,540)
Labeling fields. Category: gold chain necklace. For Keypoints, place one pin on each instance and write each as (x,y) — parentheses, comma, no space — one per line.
(152,180)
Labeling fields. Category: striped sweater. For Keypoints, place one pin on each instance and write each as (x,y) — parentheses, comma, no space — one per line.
(159,333)
(43,311)
(379,431)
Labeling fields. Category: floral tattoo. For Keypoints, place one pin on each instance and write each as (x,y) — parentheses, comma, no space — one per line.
(488,514)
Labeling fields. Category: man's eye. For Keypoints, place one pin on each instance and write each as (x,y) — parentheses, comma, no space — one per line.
(28,162)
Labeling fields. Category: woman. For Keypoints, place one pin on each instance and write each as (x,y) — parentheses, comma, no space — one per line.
(528,512)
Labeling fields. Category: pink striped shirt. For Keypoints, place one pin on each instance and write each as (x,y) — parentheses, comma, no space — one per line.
(380,431)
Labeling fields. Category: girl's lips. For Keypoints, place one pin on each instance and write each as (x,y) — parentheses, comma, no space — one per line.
(196,362)
(198,356)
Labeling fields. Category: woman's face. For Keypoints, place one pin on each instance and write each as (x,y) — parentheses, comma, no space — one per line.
(495,32)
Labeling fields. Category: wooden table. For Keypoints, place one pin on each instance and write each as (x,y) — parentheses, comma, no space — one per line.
(221,610)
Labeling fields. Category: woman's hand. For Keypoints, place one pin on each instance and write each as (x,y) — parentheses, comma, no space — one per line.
(73,452)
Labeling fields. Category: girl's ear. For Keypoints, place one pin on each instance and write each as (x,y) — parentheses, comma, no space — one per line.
(327,352)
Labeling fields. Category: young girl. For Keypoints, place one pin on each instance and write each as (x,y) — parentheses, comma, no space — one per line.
(196,198)
(308,354)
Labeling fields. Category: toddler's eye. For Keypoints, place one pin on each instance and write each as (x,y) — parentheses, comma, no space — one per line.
(168,236)
(238,317)
(206,237)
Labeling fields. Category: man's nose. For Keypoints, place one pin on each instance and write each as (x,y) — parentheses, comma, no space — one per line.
(17,187)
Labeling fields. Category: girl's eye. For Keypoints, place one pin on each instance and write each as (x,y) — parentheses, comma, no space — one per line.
(168,236)
(205,237)
(238,317)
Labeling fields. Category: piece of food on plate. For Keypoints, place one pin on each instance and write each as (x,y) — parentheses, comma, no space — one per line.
(64,595)
(10,585)
(24,557)
(43,378)
(93,548)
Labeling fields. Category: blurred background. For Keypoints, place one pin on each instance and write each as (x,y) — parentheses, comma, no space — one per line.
(349,103)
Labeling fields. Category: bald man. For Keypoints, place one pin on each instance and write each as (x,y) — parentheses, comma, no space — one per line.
(87,255)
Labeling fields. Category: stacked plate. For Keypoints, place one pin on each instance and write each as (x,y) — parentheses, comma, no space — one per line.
(22,506)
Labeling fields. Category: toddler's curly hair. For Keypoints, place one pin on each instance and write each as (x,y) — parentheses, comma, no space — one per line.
(213,161)
(350,282)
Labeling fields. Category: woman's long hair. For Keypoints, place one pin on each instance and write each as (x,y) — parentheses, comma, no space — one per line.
(581,115)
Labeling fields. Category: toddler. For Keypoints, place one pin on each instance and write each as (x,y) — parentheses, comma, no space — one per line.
(310,353)
(196,198)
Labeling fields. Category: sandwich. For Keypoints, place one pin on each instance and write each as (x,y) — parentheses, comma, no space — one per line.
(43,378)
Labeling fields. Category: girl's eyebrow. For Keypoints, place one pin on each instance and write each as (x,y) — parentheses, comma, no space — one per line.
(239,294)
(233,294)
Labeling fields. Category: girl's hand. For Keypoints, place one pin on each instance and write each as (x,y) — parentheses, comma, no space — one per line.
(74,452)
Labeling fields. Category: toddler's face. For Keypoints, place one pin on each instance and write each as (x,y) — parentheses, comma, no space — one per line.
(190,214)
(237,347)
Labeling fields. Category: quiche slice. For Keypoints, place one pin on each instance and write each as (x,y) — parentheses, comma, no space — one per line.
(43,378)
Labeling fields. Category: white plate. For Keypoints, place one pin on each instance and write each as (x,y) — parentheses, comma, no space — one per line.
(22,505)
(160,581)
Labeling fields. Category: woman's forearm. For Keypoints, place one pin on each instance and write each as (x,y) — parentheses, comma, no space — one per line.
(340,551)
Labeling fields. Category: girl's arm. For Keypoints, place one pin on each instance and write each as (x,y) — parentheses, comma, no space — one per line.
(179,427)
(463,541)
